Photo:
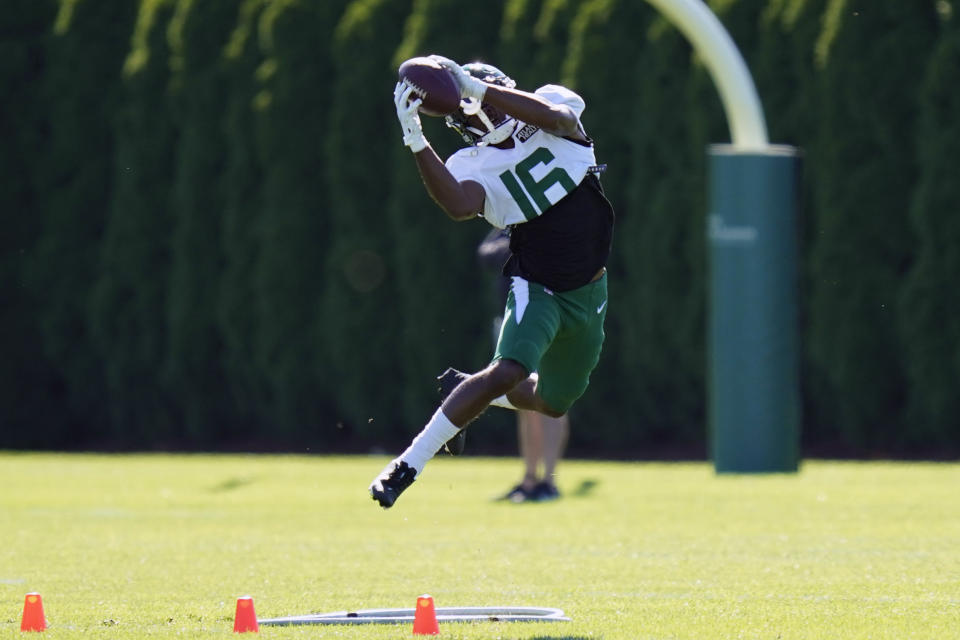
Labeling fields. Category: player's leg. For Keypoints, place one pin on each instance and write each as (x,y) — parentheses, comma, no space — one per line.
(446,383)
(474,394)
(467,401)
(526,397)
(529,439)
(530,324)
(522,397)
(564,372)
(565,368)
(531,321)
(530,435)
(450,378)
(554,434)
(542,440)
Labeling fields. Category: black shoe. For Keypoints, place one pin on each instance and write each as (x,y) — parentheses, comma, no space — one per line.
(518,494)
(455,445)
(543,492)
(391,482)
(448,381)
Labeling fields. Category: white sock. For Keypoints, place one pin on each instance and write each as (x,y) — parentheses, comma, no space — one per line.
(429,441)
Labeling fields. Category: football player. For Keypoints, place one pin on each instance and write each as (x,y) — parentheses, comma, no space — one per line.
(530,168)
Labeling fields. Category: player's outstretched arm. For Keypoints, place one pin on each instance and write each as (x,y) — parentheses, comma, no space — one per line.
(459,200)
(558,119)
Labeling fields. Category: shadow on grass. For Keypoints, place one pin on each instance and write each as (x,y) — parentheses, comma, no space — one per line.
(585,489)
(231,484)
(565,637)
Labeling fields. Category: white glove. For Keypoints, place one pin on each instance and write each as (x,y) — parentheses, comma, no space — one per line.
(470,87)
(409,117)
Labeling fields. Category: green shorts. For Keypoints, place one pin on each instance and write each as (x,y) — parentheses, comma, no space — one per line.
(558,335)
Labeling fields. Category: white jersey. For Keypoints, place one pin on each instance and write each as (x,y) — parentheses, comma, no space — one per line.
(522,182)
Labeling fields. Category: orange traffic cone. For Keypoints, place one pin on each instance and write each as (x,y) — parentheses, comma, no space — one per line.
(245,618)
(33,618)
(425,617)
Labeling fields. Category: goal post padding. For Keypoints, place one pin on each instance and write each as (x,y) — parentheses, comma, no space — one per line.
(753,334)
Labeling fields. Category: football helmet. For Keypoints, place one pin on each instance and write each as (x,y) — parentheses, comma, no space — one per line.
(477,122)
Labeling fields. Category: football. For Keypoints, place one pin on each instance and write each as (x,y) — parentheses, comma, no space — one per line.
(433,84)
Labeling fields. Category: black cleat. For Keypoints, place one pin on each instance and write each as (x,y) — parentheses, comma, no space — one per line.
(448,381)
(544,492)
(518,494)
(455,445)
(391,482)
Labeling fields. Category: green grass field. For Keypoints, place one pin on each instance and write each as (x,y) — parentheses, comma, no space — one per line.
(161,546)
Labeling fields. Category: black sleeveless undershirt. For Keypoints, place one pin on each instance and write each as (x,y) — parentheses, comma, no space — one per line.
(566,245)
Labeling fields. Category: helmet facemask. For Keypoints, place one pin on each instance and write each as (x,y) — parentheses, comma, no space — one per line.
(479,123)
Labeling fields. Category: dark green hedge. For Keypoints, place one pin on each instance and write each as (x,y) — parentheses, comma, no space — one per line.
(659,239)
(192,367)
(214,238)
(929,300)
(359,308)
(864,173)
(81,86)
(128,312)
(237,308)
(30,386)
